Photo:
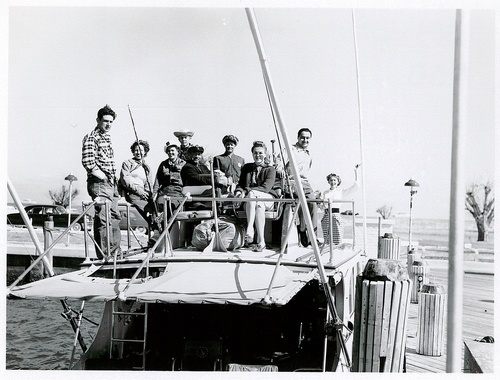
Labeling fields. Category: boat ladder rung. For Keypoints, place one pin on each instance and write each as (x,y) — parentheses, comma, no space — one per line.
(130,341)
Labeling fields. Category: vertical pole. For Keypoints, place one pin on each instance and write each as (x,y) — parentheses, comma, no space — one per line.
(69,209)
(129,244)
(457,210)
(48,227)
(360,132)
(409,227)
(330,229)
(85,238)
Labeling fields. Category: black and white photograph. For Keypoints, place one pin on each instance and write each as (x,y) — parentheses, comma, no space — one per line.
(288,187)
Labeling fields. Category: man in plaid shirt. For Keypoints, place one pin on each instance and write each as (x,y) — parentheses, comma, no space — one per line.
(98,160)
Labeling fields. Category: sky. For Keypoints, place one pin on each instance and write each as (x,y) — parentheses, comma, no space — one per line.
(198,68)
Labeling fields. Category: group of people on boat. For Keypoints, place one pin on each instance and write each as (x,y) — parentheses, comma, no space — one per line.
(267,177)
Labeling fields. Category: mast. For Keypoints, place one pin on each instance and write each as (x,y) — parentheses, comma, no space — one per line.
(457,197)
(300,190)
(361,149)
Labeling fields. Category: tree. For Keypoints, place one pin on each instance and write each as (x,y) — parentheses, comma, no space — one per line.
(480,202)
(61,197)
(385,211)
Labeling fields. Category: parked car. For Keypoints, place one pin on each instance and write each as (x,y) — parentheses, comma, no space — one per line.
(40,213)
(137,222)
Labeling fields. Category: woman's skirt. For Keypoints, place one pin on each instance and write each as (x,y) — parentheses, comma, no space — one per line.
(337,227)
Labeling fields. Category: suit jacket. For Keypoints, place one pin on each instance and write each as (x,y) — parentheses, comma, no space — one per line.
(195,175)
(265,179)
(229,165)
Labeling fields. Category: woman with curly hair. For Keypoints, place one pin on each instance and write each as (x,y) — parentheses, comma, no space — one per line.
(334,193)
(257,180)
(134,180)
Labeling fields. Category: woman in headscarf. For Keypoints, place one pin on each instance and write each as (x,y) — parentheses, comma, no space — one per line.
(334,193)
(257,180)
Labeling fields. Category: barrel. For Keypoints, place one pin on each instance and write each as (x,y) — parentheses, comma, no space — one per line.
(430,320)
(380,318)
(388,247)
(419,274)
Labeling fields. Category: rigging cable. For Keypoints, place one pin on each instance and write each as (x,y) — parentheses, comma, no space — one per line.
(156,215)
(285,172)
(363,187)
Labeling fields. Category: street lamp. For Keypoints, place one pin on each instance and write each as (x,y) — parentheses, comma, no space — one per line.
(70,178)
(412,183)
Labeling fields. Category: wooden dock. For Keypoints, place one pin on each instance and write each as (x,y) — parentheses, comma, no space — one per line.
(478,317)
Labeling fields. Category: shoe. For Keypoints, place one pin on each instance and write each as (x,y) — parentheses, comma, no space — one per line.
(259,248)
(248,240)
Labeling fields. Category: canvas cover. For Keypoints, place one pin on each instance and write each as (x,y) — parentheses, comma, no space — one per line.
(189,282)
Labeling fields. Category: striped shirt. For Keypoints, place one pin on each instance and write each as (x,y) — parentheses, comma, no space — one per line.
(98,152)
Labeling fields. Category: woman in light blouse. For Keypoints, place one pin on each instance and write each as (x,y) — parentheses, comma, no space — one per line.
(334,193)
(134,180)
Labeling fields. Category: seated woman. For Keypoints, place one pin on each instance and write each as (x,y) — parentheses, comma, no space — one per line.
(257,181)
(168,182)
(334,193)
(134,181)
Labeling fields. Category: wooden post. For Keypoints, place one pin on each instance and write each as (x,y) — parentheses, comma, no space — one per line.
(412,256)
(419,274)
(388,247)
(48,227)
(430,321)
(382,302)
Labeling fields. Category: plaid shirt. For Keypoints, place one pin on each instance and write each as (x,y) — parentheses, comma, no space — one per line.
(98,152)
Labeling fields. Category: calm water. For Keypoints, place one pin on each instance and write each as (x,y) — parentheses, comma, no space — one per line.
(39,338)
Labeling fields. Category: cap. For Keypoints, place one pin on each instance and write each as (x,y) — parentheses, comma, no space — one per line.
(232,138)
(195,149)
(168,145)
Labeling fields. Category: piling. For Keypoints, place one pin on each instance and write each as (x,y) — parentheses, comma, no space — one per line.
(430,321)
(411,257)
(48,238)
(388,247)
(381,313)
(419,275)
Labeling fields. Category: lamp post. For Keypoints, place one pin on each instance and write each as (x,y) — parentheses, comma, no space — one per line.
(412,183)
(70,178)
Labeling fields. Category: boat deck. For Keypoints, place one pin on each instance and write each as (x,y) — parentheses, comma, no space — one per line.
(478,317)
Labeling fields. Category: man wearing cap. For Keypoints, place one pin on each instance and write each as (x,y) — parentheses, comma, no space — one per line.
(98,161)
(184,136)
(194,173)
(228,162)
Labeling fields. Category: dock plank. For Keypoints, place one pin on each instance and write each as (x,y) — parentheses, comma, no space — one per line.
(478,319)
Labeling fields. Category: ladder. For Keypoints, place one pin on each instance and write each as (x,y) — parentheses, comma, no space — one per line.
(142,342)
